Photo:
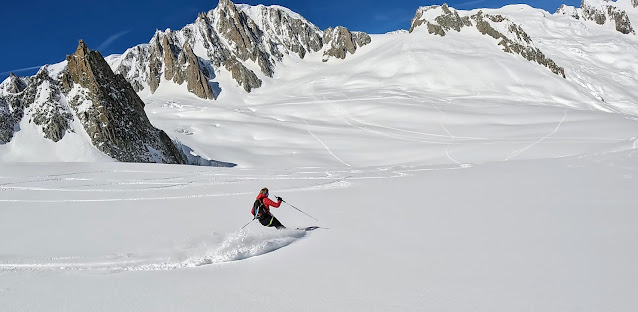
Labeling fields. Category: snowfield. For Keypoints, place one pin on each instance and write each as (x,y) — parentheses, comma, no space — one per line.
(446,176)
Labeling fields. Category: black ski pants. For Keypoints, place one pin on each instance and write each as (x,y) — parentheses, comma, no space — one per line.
(271,221)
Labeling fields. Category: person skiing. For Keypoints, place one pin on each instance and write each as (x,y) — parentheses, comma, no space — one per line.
(261,210)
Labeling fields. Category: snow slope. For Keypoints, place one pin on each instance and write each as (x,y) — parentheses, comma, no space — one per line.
(448,176)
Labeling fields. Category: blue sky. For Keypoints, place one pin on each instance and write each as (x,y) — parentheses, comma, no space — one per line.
(41,32)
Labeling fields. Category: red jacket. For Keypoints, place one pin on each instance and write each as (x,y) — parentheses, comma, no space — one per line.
(267,203)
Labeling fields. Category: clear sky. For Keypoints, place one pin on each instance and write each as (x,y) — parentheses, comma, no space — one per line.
(41,32)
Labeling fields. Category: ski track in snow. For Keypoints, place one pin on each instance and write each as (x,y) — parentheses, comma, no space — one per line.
(340,183)
(325,146)
(518,152)
(237,246)
(331,179)
(447,147)
(312,92)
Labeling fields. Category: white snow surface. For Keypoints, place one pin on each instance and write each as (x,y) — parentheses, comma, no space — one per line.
(446,174)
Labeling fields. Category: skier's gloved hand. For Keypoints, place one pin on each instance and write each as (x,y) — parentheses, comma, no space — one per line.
(279,198)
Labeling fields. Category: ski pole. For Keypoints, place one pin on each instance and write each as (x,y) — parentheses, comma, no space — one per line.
(251,221)
(299,210)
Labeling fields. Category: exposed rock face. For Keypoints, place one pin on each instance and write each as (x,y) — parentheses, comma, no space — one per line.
(601,14)
(243,34)
(46,107)
(244,76)
(441,19)
(340,41)
(229,38)
(182,65)
(112,113)
(292,33)
(15,84)
(40,99)
(11,108)
(445,22)
(7,122)
(194,74)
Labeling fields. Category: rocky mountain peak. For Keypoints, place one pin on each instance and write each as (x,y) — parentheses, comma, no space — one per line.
(232,38)
(13,84)
(82,50)
(340,41)
(112,113)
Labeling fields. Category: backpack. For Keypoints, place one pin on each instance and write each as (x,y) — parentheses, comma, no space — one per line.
(257,207)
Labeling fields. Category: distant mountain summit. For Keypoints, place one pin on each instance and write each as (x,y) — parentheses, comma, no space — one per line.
(231,38)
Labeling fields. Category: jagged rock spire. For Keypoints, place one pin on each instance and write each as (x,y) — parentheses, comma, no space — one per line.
(112,113)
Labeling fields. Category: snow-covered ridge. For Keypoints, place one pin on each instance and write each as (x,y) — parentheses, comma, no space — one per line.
(439,20)
(619,14)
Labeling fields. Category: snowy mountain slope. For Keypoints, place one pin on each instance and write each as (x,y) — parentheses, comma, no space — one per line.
(204,58)
(409,92)
(590,55)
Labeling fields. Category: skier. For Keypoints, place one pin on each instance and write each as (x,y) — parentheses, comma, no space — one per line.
(261,210)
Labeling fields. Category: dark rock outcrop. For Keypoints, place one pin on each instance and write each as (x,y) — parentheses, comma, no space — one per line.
(112,113)
(182,65)
(7,122)
(244,76)
(11,106)
(243,34)
(445,22)
(15,84)
(515,41)
(39,98)
(340,41)
(45,106)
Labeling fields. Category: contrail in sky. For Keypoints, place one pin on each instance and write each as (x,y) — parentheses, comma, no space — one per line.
(111,39)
